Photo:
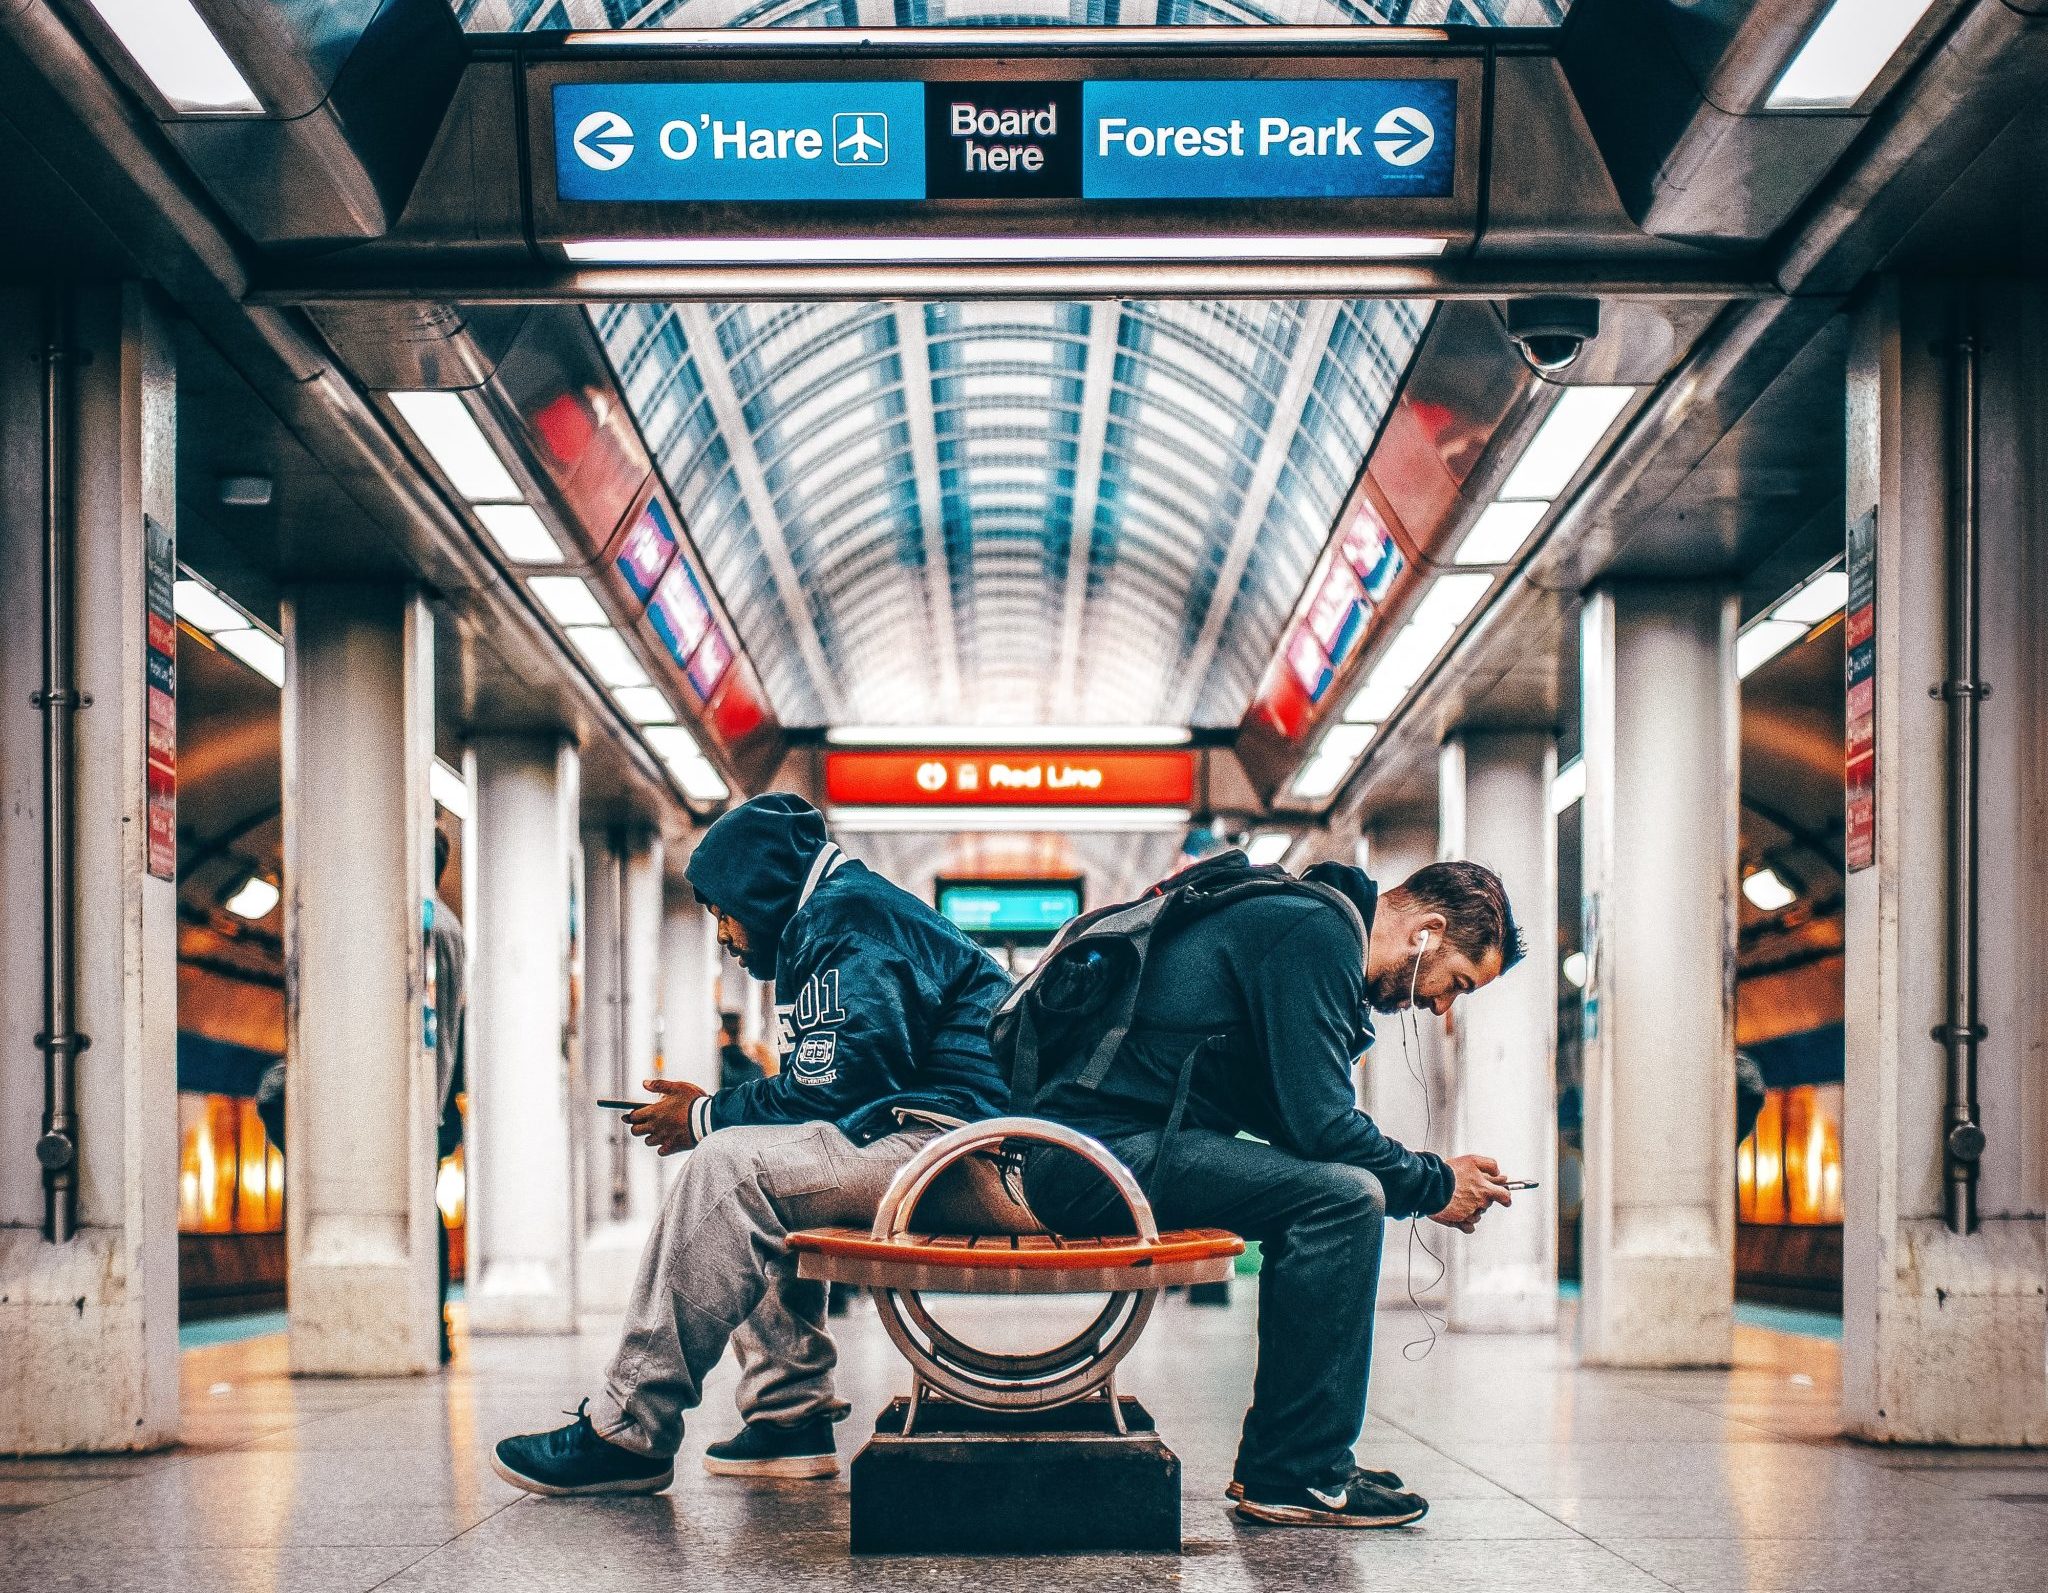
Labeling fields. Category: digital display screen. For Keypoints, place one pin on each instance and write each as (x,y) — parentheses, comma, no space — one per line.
(708,666)
(1151,138)
(680,612)
(1000,909)
(648,547)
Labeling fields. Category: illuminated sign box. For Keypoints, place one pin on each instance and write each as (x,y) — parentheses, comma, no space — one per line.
(1009,910)
(721,142)
(1010,779)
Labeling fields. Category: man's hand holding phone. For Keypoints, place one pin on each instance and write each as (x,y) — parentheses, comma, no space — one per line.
(664,1122)
(1479,1185)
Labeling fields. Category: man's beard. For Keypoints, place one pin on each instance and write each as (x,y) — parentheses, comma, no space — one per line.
(1387,992)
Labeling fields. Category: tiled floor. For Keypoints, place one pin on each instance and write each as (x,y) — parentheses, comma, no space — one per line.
(1541,1476)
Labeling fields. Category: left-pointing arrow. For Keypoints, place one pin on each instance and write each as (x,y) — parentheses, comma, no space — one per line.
(603,141)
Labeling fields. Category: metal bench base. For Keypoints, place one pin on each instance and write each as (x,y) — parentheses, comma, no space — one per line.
(971,1481)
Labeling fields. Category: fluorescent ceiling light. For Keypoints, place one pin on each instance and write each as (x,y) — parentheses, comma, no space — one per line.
(1090,736)
(835,42)
(172,44)
(1321,775)
(645,705)
(1817,600)
(448,431)
(1346,741)
(701,782)
(568,599)
(933,251)
(201,607)
(605,651)
(1575,970)
(1843,55)
(1569,786)
(260,650)
(519,533)
(1767,893)
(1415,646)
(254,900)
(1446,604)
(1268,847)
(1499,532)
(450,790)
(1762,642)
(673,743)
(1565,441)
(876,821)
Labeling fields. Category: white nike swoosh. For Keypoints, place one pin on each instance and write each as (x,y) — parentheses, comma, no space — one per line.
(1333,1501)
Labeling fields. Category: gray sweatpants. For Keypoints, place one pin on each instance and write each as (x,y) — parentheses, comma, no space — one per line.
(717,1268)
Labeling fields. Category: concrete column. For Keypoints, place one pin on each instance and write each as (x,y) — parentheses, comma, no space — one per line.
(1494,799)
(689,989)
(523,1229)
(359,1094)
(623,945)
(1660,727)
(1945,1335)
(89,1327)
(1401,1083)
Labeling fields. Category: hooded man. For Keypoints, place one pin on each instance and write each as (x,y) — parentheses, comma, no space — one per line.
(882,1010)
(1279,985)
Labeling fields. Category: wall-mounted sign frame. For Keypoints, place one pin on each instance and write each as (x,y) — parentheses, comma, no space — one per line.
(1012,912)
(641,146)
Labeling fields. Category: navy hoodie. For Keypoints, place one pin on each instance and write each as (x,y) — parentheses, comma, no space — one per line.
(882,1007)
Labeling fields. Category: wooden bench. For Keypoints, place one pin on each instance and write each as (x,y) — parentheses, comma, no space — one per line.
(897,1266)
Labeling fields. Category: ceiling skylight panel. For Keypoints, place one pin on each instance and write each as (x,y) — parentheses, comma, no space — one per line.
(1158,417)
(1006,351)
(1162,388)
(1007,475)
(991,419)
(1006,386)
(836,440)
(994,314)
(1008,447)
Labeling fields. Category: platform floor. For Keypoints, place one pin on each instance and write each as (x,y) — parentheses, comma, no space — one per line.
(1540,1476)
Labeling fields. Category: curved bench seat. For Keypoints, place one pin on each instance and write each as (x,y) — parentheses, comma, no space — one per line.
(1016,1264)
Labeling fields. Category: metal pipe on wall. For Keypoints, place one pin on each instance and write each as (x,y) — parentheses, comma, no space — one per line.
(615,845)
(57,700)
(1960,1032)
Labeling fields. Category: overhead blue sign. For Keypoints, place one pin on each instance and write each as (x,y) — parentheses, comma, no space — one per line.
(1318,138)
(1163,139)
(712,142)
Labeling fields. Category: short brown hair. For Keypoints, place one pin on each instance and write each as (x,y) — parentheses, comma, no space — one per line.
(1477,917)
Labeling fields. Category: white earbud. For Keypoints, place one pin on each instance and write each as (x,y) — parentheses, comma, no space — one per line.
(1422,944)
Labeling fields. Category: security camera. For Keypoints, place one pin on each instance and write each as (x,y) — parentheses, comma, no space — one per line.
(1551,332)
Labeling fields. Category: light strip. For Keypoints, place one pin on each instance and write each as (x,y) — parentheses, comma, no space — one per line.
(606,652)
(1269,846)
(255,899)
(941,820)
(1844,54)
(1568,786)
(568,599)
(995,250)
(448,431)
(450,790)
(260,650)
(834,41)
(520,533)
(1814,601)
(1501,531)
(1094,737)
(178,52)
(204,609)
(1565,441)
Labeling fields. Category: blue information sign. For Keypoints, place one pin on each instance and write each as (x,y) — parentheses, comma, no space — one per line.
(1149,139)
(1008,909)
(711,142)
(1317,138)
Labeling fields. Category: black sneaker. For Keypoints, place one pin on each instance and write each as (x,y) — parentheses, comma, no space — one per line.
(770,1449)
(574,1460)
(1379,1479)
(1357,1503)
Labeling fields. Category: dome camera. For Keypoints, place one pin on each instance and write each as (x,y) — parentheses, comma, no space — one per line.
(1552,332)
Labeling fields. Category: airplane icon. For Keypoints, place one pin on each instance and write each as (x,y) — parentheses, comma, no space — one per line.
(855,144)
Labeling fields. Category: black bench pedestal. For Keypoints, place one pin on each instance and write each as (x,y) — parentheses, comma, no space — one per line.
(971,1481)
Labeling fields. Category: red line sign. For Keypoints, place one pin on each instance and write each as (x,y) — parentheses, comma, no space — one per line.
(1023,778)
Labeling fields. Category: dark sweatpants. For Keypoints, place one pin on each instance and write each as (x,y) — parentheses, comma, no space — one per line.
(1319,1225)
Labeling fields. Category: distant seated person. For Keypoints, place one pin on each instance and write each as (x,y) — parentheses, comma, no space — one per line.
(1248,1018)
(882,1012)
(735,1067)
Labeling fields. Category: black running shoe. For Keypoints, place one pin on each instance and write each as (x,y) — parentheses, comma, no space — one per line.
(1357,1503)
(573,1460)
(768,1449)
(1379,1479)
